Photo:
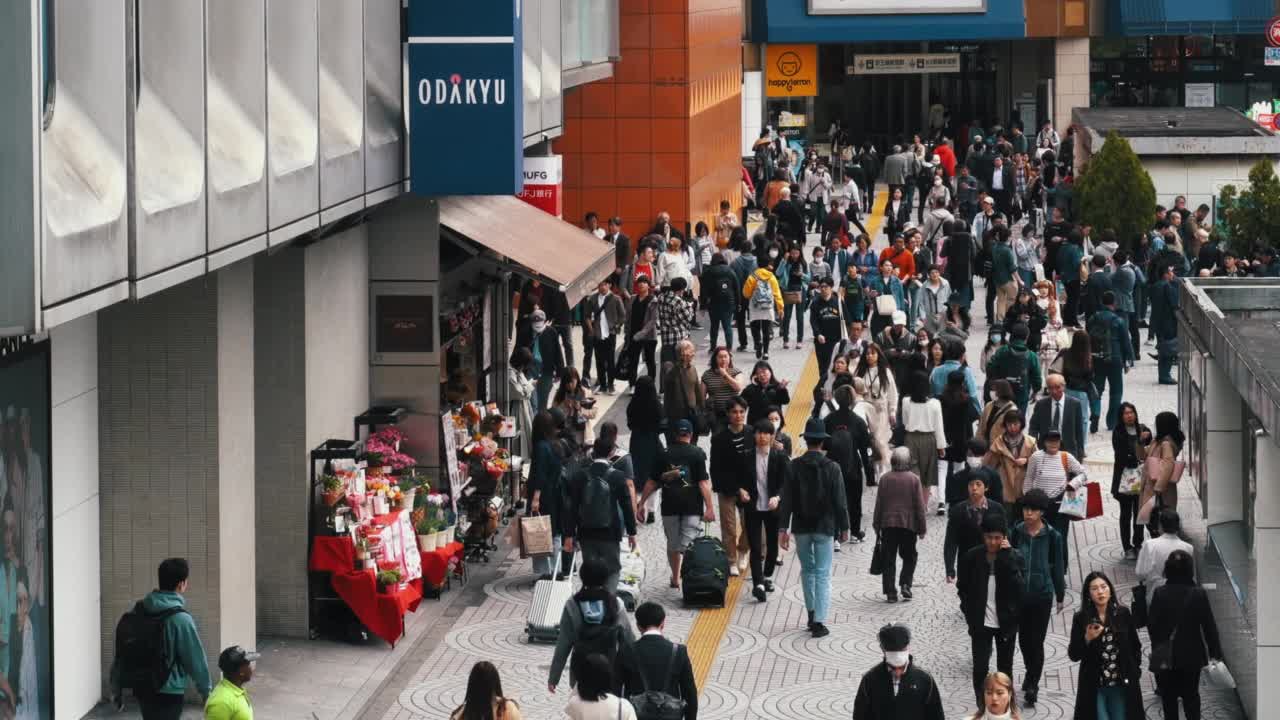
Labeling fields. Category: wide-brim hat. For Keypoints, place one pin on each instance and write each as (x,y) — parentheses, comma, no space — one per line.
(815,429)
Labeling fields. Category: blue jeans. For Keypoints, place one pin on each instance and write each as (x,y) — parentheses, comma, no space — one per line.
(1111,703)
(1028,277)
(798,310)
(1110,373)
(721,318)
(913,305)
(1088,408)
(814,552)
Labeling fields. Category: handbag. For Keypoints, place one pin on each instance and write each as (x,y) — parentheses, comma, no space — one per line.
(1139,606)
(1130,481)
(658,704)
(1219,676)
(624,369)
(877,558)
(792,297)
(1162,652)
(1074,506)
(886,305)
(1093,503)
(535,535)
(1170,474)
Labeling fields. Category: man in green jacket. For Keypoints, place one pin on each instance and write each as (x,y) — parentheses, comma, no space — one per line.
(1044,578)
(1004,272)
(1017,364)
(182,649)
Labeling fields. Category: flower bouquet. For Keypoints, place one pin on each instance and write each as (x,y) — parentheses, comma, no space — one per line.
(384,448)
(332,491)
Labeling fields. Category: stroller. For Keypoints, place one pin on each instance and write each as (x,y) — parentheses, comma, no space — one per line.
(480,511)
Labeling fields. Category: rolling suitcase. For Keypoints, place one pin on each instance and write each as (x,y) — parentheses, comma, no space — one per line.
(549,598)
(704,573)
(631,577)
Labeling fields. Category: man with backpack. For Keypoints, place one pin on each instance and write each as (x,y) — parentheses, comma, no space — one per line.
(813,508)
(594,622)
(158,649)
(599,509)
(1112,358)
(681,472)
(719,288)
(850,448)
(656,674)
(1019,365)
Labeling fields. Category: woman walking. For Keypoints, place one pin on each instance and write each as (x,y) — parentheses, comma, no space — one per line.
(484,699)
(793,277)
(764,392)
(1010,453)
(958,416)
(764,305)
(924,437)
(998,699)
(1104,640)
(1161,489)
(575,401)
(1001,403)
(1077,369)
(1181,614)
(644,414)
(545,491)
(1126,476)
(882,391)
(723,382)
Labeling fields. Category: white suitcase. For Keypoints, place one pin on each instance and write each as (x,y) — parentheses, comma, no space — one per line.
(549,598)
(631,577)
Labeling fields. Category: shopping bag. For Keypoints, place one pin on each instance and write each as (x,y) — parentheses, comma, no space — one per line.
(535,534)
(1219,676)
(1130,481)
(1074,506)
(1093,503)
(515,538)
(792,297)
(1163,469)
(886,305)
(877,558)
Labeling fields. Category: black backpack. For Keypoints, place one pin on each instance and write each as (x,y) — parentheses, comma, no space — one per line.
(810,493)
(1013,368)
(140,649)
(724,290)
(597,509)
(1099,329)
(655,703)
(598,639)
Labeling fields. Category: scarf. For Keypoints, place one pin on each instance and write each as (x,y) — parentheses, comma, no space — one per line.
(1014,443)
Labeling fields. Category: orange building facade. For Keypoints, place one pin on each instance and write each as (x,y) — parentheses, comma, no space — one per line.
(664,132)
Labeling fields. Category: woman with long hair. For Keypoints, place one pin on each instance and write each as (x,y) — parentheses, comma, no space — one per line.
(1077,369)
(765,391)
(723,382)
(592,699)
(924,435)
(644,417)
(1166,445)
(1181,605)
(998,699)
(781,440)
(866,260)
(1126,472)
(594,615)
(882,391)
(574,400)
(551,450)
(484,699)
(1104,640)
(1001,402)
(958,416)
(935,354)
(793,276)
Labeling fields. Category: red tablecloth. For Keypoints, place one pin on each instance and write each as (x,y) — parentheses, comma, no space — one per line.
(435,563)
(382,613)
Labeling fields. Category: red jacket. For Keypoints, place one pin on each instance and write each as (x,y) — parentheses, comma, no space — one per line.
(904,261)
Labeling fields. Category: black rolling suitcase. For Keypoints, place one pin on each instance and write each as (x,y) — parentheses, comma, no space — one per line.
(704,573)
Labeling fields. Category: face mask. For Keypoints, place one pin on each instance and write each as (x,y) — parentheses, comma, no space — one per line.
(897,659)
(777,425)
(997,339)
(923,343)
(817,258)
(1043,303)
(773,253)
(973,462)
(539,327)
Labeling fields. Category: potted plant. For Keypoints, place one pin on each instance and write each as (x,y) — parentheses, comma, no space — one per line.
(362,549)
(425,526)
(332,489)
(388,580)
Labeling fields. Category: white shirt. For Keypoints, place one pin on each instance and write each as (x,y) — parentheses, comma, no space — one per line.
(604,317)
(850,192)
(598,232)
(606,709)
(997,179)
(924,417)
(762,479)
(990,618)
(1152,556)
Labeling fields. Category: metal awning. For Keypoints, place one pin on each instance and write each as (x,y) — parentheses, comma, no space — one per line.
(1189,17)
(568,257)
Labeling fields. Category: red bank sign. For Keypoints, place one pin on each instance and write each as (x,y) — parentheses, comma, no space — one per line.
(543,184)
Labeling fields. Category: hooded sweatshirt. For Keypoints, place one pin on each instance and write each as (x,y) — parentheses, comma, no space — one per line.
(181,641)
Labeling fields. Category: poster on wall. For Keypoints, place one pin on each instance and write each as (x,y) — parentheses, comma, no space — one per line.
(1200,94)
(894,7)
(26,592)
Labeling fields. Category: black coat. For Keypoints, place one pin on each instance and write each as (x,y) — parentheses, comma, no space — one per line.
(1089,655)
(918,697)
(622,252)
(971,585)
(1124,446)
(964,531)
(1187,608)
(650,655)
(1042,418)
(958,250)
(729,459)
(855,461)
(552,353)
(760,397)
(958,486)
(790,219)
(624,520)
(776,478)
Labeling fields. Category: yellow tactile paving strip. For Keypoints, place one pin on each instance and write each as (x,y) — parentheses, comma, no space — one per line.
(710,625)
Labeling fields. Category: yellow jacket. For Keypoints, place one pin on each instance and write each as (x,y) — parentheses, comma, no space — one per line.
(763,275)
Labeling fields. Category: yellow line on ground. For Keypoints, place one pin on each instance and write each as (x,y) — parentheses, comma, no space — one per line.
(710,625)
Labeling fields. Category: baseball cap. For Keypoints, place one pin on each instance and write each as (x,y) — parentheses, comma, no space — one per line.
(684,427)
(538,316)
(899,318)
(234,657)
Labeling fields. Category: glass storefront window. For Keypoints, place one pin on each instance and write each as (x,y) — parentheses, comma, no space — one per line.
(1198,46)
(589,34)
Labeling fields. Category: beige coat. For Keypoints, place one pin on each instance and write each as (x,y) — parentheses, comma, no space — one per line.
(998,408)
(1005,463)
(1167,451)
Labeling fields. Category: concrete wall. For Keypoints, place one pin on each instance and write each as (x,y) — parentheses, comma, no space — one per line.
(77,607)
(1071,79)
(336,325)
(1199,177)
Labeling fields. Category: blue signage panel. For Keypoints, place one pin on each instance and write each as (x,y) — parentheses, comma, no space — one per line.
(466,112)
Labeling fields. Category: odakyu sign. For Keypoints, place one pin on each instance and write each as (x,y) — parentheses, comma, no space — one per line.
(466,116)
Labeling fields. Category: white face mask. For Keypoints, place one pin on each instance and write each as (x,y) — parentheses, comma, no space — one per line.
(897,659)
(973,462)
(539,327)
(777,425)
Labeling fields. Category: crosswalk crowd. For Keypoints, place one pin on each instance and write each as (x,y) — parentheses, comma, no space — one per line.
(996,443)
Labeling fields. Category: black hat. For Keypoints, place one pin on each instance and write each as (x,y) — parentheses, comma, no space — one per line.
(235,657)
(1048,435)
(894,637)
(1036,499)
(815,429)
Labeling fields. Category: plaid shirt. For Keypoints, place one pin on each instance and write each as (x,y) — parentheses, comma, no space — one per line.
(675,315)
(1020,179)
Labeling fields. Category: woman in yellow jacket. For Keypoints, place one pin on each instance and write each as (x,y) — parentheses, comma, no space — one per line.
(764,305)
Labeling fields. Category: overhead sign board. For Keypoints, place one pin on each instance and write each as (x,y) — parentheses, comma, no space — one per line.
(466,111)
(1271,56)
(894,7)
(543,182)
(905,64)
(791,70)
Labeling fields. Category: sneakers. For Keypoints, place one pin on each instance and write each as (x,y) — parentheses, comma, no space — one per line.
(857,537)
(1030,695)
(819,630)
(942,508)
(733,571)
(759,593)
(768,585)
(810,621)
(836,546)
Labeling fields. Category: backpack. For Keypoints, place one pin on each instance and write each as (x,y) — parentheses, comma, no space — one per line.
(1099,338)
(762,296)
(810,494)
(598,638)
(140,650)
(657,703)
(596,510)
(1016,374)
(723,291)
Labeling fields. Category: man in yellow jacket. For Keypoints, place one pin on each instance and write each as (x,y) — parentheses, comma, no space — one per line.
(229,701)
(764,305)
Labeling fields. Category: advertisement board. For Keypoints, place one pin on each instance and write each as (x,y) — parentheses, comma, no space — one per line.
(894,7)
(26,567)
(543,184)
(791,71)
(905,64)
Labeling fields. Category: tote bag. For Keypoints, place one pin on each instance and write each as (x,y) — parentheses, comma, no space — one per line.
(886,305)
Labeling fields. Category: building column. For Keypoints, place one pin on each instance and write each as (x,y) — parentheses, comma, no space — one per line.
(1224,425)
(1071,79)
(1266,549)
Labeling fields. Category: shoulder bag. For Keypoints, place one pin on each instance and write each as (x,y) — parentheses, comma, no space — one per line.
(877,558)
(658,704)
(1162,652)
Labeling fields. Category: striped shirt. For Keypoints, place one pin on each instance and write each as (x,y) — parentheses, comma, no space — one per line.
(1046,472)
(719,391)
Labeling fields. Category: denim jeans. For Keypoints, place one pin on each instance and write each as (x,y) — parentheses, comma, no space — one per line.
(1110,373)
(814,552)
(721,319)
(1088,408)
(1111,703)
(798,311)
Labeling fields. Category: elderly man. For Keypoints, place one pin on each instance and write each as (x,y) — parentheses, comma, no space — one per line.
(1062,413)
(899,519)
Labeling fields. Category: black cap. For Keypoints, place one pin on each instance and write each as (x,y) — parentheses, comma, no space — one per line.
(235,657)
(1048,435)
(894,637)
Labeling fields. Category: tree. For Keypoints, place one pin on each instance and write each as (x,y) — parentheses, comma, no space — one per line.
(1249,218)
(1114,191)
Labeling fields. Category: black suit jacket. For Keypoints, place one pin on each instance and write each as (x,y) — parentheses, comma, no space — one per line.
(622,252)
(777,475)
(1072,418)
(650,655)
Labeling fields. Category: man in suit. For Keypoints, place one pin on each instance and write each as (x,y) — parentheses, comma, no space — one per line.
(1059,412)
(649,656)
(1099,282)
(1000,183)
(622,250)
(1124,282)
(759,493)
